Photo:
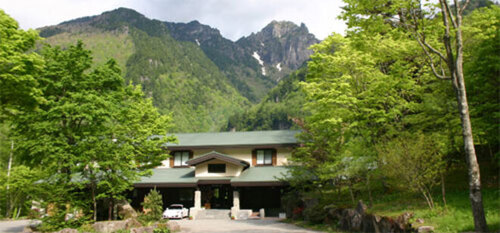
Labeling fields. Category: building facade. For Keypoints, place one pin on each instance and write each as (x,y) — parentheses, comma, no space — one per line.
(241,171)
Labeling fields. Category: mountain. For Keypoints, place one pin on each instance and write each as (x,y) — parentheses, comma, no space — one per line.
(256,63)
(179,77)
(189,69)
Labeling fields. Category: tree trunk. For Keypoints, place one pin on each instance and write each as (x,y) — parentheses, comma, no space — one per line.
(470,152)
(9,166)
(94,202)
(443,189)
(110,210)
(351,193)
(370,204)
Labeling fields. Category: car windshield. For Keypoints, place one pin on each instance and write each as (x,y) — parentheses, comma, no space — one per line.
(175,207)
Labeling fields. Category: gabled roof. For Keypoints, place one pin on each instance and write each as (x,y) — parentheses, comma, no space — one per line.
(216,155)
(271,137)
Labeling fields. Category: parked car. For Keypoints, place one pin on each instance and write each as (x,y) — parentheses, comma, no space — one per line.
(176,211)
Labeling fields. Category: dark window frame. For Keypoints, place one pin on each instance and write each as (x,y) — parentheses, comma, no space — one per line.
(217,168)
(173,153)
(271,150)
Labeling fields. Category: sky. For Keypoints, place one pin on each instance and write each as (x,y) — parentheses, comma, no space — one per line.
(234,18)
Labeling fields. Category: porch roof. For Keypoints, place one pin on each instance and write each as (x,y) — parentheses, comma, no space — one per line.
(169,177)
(271,137)
(216,155)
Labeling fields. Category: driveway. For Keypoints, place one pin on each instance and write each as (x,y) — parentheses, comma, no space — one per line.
(13,225)
(239,226)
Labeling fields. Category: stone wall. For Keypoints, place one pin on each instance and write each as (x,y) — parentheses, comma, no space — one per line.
(359,221)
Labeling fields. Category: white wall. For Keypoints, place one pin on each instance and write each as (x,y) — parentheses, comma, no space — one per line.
(283,153)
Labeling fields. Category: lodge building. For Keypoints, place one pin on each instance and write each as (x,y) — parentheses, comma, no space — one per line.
(237,171)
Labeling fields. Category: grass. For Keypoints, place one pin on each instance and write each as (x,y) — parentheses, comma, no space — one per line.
(456,216)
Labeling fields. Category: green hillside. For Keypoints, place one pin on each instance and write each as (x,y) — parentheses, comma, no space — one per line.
(178,75)
(277,109)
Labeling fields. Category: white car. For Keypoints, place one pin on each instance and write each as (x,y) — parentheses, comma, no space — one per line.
(176,211)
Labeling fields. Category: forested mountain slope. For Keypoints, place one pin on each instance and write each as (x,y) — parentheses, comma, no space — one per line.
(182,80)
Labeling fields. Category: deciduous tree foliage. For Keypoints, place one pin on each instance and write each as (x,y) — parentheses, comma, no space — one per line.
(93,134)
(19,67)
(437,28)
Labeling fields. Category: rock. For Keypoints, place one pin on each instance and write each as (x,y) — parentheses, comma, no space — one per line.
(112,226)
(356,222)
(68,230)
(125,210)
(419,220)
(27,230)
(402,221)
(361,207)
(173,226)
(142,230)
(368,223)
(386,224)
(423,229)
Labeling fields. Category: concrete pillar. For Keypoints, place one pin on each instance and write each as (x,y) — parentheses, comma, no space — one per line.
(236,199)
(197,199)
(236,205)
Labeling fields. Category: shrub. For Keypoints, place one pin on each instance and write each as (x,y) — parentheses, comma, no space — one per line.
(315,214)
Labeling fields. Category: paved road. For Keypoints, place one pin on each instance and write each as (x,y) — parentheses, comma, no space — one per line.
(191,226)
(13,226)
(239,226)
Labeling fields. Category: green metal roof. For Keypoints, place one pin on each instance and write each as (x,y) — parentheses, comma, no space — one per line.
(186,176)
(169,175)
(270,137)
(262,174)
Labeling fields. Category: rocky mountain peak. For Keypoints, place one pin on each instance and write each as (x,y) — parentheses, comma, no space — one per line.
(278,29)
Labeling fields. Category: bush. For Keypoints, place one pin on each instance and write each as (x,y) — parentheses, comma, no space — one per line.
(161,228)
(315,214)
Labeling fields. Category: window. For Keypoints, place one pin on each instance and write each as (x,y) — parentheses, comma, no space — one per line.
(180,158)
(217,168)
(265,157)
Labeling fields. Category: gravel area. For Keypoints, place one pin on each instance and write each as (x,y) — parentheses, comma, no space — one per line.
(239,226)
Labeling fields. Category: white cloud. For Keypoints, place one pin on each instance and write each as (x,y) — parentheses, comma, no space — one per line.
(234,18)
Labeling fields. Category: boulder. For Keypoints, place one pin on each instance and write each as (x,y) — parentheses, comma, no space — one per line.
(356,222)
(425,229)
(361,207)
(386,224)
(27,230)
(68,230)
(142,230)
(402,221)
(173,226)
(112,226)
(125,210)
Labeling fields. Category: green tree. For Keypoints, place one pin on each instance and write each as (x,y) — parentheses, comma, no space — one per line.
(18,189)
(153,205)
(437,28)
(93,132)
(417,160)
(19,87)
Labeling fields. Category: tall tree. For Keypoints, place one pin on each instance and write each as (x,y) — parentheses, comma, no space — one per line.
(93,132)
(18,67)
(443,44)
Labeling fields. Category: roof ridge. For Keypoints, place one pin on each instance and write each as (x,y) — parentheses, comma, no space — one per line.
(235,132)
